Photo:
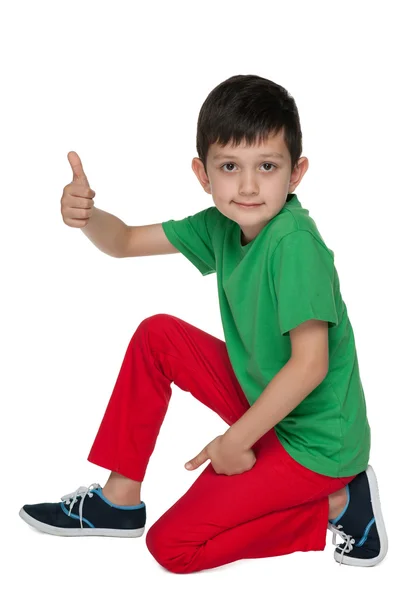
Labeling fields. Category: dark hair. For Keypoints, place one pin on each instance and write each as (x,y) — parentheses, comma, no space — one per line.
(248,107)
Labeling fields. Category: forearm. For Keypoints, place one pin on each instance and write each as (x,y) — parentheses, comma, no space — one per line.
(294,382)
(107,232)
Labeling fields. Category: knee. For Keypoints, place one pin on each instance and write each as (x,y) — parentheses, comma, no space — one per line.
(157,321)
(164,550)
(152,330)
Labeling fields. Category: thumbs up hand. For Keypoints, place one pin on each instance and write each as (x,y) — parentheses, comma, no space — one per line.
(77,199)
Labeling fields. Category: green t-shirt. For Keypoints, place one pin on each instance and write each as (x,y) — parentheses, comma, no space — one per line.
(283,277)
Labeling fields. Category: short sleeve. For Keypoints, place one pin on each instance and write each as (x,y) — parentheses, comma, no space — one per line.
(303,278)
(192,236)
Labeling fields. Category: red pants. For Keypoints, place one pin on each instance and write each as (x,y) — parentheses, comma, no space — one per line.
(276,508)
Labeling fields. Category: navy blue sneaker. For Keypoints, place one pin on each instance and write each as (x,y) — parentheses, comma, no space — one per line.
(360,524)
(94,515)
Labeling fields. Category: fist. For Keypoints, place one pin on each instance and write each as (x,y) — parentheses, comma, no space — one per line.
(77,199)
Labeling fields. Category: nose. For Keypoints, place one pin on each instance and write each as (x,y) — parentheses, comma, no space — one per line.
(248,185)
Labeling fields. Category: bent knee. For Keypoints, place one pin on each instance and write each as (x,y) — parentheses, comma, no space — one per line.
(157,321)
(166,550)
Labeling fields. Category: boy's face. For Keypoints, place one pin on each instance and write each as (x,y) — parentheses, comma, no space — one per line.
(243,175)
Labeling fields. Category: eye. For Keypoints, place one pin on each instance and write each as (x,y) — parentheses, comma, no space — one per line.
(229,171)
(224,165)
(271,165)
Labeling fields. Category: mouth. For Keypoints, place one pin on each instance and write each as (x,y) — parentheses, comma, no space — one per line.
(247,205)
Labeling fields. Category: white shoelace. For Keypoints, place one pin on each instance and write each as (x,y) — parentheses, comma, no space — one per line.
(81,491)
(347,538)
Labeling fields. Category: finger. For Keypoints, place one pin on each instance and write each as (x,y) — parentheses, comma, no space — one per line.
(82,193)
(199,459)
(195,462)
(77,168)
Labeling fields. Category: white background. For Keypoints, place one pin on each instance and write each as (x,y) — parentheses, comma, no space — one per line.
(122,83)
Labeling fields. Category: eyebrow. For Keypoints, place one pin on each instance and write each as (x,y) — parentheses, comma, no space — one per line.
(266,155)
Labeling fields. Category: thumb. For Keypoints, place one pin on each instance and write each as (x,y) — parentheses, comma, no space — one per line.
(197,460)
(77,169)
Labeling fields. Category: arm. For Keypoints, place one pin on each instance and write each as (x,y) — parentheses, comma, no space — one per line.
(304,371)
(106,231)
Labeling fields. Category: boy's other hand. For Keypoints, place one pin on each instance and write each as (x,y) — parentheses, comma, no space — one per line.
(77,199)
(226,457)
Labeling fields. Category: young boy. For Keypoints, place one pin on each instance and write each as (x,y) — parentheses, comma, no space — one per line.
(286,380)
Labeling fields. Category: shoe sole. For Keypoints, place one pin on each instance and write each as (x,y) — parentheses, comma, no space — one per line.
(74,532)
(380,526)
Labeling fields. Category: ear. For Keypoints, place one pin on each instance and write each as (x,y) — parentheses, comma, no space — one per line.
(198,168)
(298,173)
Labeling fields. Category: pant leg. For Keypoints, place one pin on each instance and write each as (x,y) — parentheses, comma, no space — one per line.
(278,507)
(163,349)
(221,518)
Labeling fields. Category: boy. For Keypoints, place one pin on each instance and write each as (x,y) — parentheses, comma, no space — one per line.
(286,381)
